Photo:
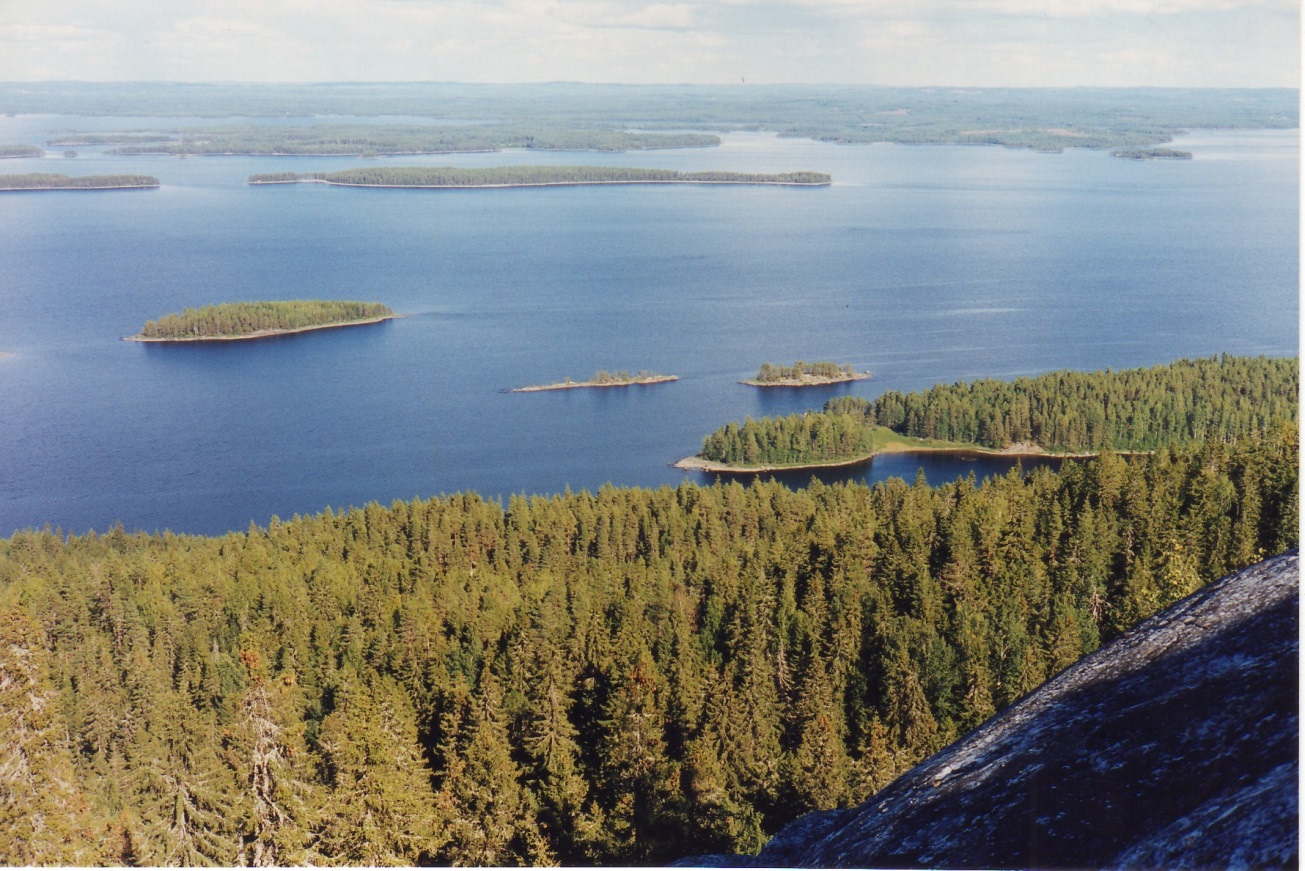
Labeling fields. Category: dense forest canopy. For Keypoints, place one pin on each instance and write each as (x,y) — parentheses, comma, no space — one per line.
(248,318)
(1184,402)
(624,676)
(521,176)
(50,181)
(1044,118)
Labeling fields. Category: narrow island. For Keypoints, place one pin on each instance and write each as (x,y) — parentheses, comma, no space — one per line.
(803,374)
(531,176)
(601,378)
(50,181)
(9,151)
(255,320)
(1151,154)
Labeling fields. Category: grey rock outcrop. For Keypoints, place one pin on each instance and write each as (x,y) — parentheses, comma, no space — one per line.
(1175,746)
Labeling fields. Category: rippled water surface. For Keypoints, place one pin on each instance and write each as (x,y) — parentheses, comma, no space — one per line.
(922,264)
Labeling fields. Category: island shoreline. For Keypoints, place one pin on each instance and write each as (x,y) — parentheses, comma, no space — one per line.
(260,334)
(544,184)
(696,463)
(809,380)
(592,385)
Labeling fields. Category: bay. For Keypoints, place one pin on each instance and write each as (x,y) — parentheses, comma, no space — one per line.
(923,264)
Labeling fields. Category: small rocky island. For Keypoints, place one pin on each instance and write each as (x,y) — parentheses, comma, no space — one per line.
(803,374)
(531,176)
(255,320)
(601,378)
(52,181)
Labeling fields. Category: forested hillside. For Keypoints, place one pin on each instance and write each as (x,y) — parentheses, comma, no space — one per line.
(620,677)
(1184,402)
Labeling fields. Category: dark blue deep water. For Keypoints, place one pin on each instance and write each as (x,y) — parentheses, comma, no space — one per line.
(922,264)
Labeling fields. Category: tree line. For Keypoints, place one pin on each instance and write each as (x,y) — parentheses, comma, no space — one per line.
(55,181)
(492,176)
(769,372)
(245,318)
(625,676)
(1184,402)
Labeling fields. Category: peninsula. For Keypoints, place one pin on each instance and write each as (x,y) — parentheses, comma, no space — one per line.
(601,378)
(256,320)
(531,176)
(803,374)
(50,181)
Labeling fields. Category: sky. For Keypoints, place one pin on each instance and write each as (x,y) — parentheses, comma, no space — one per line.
(982,43)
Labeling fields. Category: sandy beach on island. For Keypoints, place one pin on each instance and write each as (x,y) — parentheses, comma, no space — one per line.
(263,334)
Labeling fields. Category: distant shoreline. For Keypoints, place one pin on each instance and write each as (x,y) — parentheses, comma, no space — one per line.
(544,184)
(808,380)
(260,334)
(574,385)
(696,463)
(107,187)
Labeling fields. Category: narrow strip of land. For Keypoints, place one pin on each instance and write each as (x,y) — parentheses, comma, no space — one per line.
(442,177)
(596,382)
(807,380)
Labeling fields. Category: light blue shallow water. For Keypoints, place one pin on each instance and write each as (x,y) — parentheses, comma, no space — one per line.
(922,264)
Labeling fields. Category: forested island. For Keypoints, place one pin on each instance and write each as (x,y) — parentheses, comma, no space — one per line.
(9,151)
(1044,119)
(253,320)
(1185,402)
(803,374)
(366,140)
(531,176)
(622,677)
(601,378)
(50,181)
(1151,154)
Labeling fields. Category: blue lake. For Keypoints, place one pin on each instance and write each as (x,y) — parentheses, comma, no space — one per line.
(921,264)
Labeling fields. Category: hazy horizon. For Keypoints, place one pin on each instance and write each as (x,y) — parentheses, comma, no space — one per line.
(932,43)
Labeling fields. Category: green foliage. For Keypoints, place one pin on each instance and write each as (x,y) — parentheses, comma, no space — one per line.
(618,677)
(525,176)
(1185,402)
(51,181)
(247,318)
(801,369)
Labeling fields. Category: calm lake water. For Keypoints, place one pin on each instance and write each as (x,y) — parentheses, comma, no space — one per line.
(922,264)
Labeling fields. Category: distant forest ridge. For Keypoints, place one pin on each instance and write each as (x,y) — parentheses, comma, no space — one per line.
(51,181)
(1044,118)
(528,176)
(376,140)
(1184,402)
(235,319)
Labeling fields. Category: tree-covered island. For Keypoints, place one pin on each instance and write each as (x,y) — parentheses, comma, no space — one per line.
(1151,154)
(1068,413)
(804,374)
(601,378)
(254,320)
(51,181)
(531,176)
(8,151)
(384,140)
